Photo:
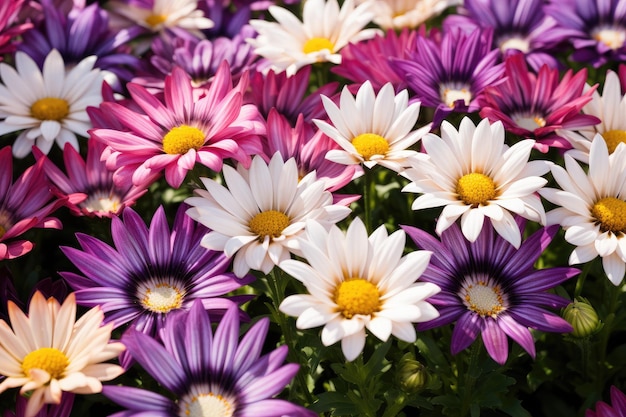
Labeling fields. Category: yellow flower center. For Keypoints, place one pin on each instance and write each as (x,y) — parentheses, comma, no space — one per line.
(476,188)
(155,19)
(357,296)
(611,37)
(451,95)
(610,212)
(519,44)
(269,223)
(317,44)
(162,297)
(181,139)
(209,405)
(50,108)
(370,144)
(614,138)
(102,202)
(530,122)
(51,360)
(483,297)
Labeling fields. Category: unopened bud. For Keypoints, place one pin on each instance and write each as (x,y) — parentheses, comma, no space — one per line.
(583,318)
(412,375)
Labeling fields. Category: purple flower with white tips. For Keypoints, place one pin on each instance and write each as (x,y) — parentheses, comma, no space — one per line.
(208,373)
(490,288)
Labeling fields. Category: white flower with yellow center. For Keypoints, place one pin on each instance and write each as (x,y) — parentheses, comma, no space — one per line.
(372,129)
(593,207)
(610,108)
(165,14)
(399,14)
(356,281)
(47,105)
(264,209)
(290,44)
(48,351)
(474,174)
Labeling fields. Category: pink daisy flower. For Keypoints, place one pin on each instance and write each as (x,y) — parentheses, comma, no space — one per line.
(189,126)
(536,105)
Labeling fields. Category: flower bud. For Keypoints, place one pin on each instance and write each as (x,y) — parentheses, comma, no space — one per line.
(412,375)
(583,318)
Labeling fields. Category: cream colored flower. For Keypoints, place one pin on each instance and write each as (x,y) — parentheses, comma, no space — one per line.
(48,351)
(399,14)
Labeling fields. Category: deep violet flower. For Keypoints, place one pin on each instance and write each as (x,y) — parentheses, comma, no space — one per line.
(617,408)
(490,288)
(208,373)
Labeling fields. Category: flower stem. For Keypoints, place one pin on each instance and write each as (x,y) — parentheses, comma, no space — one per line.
(368,197)
(581,279)
(471,376)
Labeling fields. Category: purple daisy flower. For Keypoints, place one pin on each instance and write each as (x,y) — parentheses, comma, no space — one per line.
(81,33)
(519,26)
(616,409)
(489,287)
(599,28)
(537,105)
(450,72)
(228,21)
(151,271)
(208,372)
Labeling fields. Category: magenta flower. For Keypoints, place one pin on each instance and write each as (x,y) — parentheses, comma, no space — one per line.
(151,271)
(535,106)
(25,204)
(208,370)
(616,409)
(174,134)
(88,184)
(62,409)
(599,28)
(10,27)
(491,288)
(449,73)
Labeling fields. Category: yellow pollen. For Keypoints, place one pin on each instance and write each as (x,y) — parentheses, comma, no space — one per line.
(613,38)
(317,44)
(50,108)
(162,298)
(614,138)
(155,19)
(181,139)
(209,405)
(370,144)
(483,298)
(357,296)
(269,223)
(51,360)
(610,212)
(476,188)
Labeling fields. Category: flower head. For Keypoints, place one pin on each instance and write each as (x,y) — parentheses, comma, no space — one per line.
(400,14)
(372,128)
(617,408)
(175,133)
(474,174)
(47,105)
(10,27)
(490,288)
(289,44)
(48,351)
(208,372)
(592,207)
(151,272)
(540,106)
(356,281)
(264,209)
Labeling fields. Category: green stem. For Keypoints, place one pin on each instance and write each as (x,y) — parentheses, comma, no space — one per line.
(368,197)
(471,376)
(581,279)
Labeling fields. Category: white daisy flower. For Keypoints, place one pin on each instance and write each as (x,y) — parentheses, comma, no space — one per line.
(474,174)
(48,105)
(593,207)
(264,209)
(290,44)
(48,351)
(372,129)
(356,282)
(610,108)
(399,14)
(165,14)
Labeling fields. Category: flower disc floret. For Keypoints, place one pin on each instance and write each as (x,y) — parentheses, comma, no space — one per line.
(357,296)
(483,297)
(162,297)
(155,20)
(610,212)
(476,188)
(613,38)
(50,108)
(370,144)
(317,44)
(179,140)
(269,223)
(207,405)
(48,359)
(614,138)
